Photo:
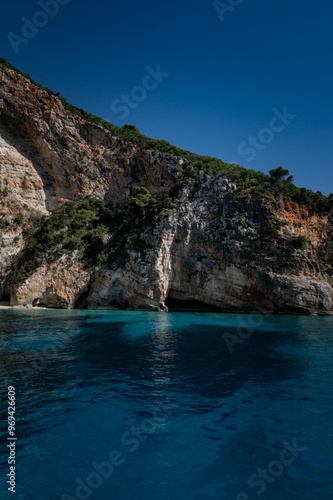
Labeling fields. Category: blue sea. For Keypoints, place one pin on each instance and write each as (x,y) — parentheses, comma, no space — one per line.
(157,406)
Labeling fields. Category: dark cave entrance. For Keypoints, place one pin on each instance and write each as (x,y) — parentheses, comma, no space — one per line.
(190,305)
(82,301)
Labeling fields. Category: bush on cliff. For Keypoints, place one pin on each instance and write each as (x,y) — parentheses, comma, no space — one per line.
(98,231)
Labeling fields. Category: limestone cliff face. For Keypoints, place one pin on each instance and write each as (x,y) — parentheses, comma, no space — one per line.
(214,247)
(49,155)
(211,250)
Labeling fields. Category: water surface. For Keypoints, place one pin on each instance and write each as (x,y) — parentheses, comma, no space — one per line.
(183,406)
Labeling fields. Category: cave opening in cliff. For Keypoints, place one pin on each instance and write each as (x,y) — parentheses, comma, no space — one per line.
(120,303)
(189,305)
(82,301)
(5,297)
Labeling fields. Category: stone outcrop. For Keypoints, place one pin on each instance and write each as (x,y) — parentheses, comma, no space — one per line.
(59,284)
(210,250)
(202,255)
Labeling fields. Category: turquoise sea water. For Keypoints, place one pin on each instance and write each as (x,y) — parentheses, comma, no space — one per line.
(135,405)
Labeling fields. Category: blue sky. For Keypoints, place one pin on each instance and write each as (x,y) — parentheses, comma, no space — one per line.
(224,70)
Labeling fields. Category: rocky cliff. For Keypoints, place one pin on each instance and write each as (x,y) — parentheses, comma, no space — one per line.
(93,216)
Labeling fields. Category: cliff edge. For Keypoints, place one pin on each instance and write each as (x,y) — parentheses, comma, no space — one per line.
(97,216)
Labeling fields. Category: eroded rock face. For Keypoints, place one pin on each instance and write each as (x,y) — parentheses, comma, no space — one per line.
(211,248)
(49,156)
(58,284)
(201,255)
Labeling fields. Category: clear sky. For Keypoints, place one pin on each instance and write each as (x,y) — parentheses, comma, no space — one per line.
(223,69)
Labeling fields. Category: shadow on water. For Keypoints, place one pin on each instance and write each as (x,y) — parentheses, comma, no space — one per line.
(182,358)
(72,366)
(76,351)
(64,355)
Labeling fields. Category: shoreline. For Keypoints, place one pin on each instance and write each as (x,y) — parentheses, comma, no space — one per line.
(5,306)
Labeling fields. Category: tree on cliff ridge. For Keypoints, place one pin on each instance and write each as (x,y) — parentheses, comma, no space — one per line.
(279,177)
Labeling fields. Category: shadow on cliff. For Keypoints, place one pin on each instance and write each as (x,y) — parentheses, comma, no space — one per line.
(16,134)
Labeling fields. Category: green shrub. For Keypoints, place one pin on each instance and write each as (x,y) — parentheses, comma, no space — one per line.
(4,223)
(299,242)
(271,232)
(18,221)
(133,128)
(142,198)
(97,230)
